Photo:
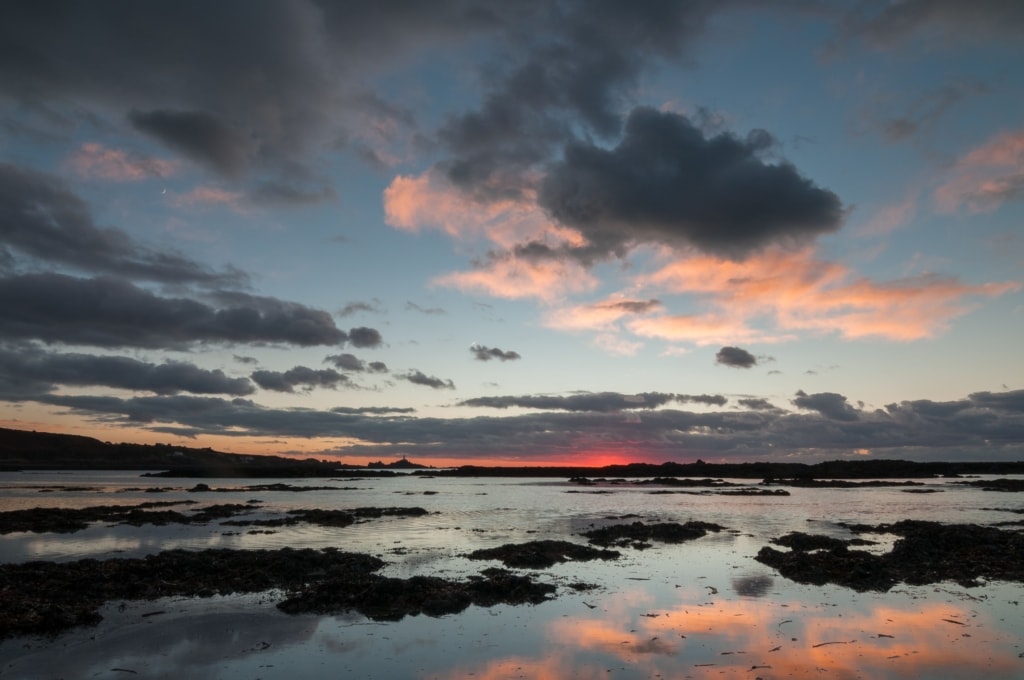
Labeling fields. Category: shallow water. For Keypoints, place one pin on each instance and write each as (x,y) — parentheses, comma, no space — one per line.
(702,609)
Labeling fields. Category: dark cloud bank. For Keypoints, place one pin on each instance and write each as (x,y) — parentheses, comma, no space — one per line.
(982,426)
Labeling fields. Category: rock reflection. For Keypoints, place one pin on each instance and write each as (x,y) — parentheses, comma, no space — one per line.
(753,585)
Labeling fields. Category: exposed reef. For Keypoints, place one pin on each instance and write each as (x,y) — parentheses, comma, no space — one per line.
(640,535)
(70,520)
(45,598)
(926,552)
(542,554)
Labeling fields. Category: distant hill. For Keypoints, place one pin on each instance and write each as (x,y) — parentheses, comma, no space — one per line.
(30,450)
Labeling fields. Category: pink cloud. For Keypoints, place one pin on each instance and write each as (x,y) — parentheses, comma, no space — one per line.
(97,161)
(512,278)
(986,177)
(787,291)
(209,195)
(430,201)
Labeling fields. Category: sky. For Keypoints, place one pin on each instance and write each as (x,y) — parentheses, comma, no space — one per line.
(516,233)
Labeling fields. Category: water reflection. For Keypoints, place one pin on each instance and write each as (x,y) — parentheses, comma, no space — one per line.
(790,639)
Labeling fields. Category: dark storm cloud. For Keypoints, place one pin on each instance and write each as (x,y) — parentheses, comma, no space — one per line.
(600,402)
(420,378)
(245,360)
(300,376)
(736,357)
(108,312)
(828,404)
(666,183)
(365,337)
(947,21)
(42,371)
(484,353)
(41,218)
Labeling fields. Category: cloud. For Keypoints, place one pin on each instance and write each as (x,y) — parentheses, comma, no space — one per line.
(925,111)
(290,194)
(41,218)
(38,371)
(419,378)
(665,183)
(362,336)
(943,22)
(979,427)
(484,353)
(708,399)
(735,357)
(93,160)
(210,195)
(247,91)
(514,279)
(198,135)
(777,293)
(107,312)
(828,404)
(430,311)
(575,62)
(359,306)
(600,402)
(986,177)
(300,376)
(600,315)
(756,404)
(371,410)
(347,362)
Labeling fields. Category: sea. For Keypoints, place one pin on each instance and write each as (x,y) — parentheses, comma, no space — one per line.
(700,609)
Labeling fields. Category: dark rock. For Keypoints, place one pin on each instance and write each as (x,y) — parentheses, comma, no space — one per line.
(640,533)
(541,554)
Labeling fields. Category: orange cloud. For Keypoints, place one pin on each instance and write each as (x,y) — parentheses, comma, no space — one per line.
(514,278)
(985,177)
(96,160)
(793,291)
(431,201)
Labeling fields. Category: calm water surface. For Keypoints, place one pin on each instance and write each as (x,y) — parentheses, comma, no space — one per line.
(702,609)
